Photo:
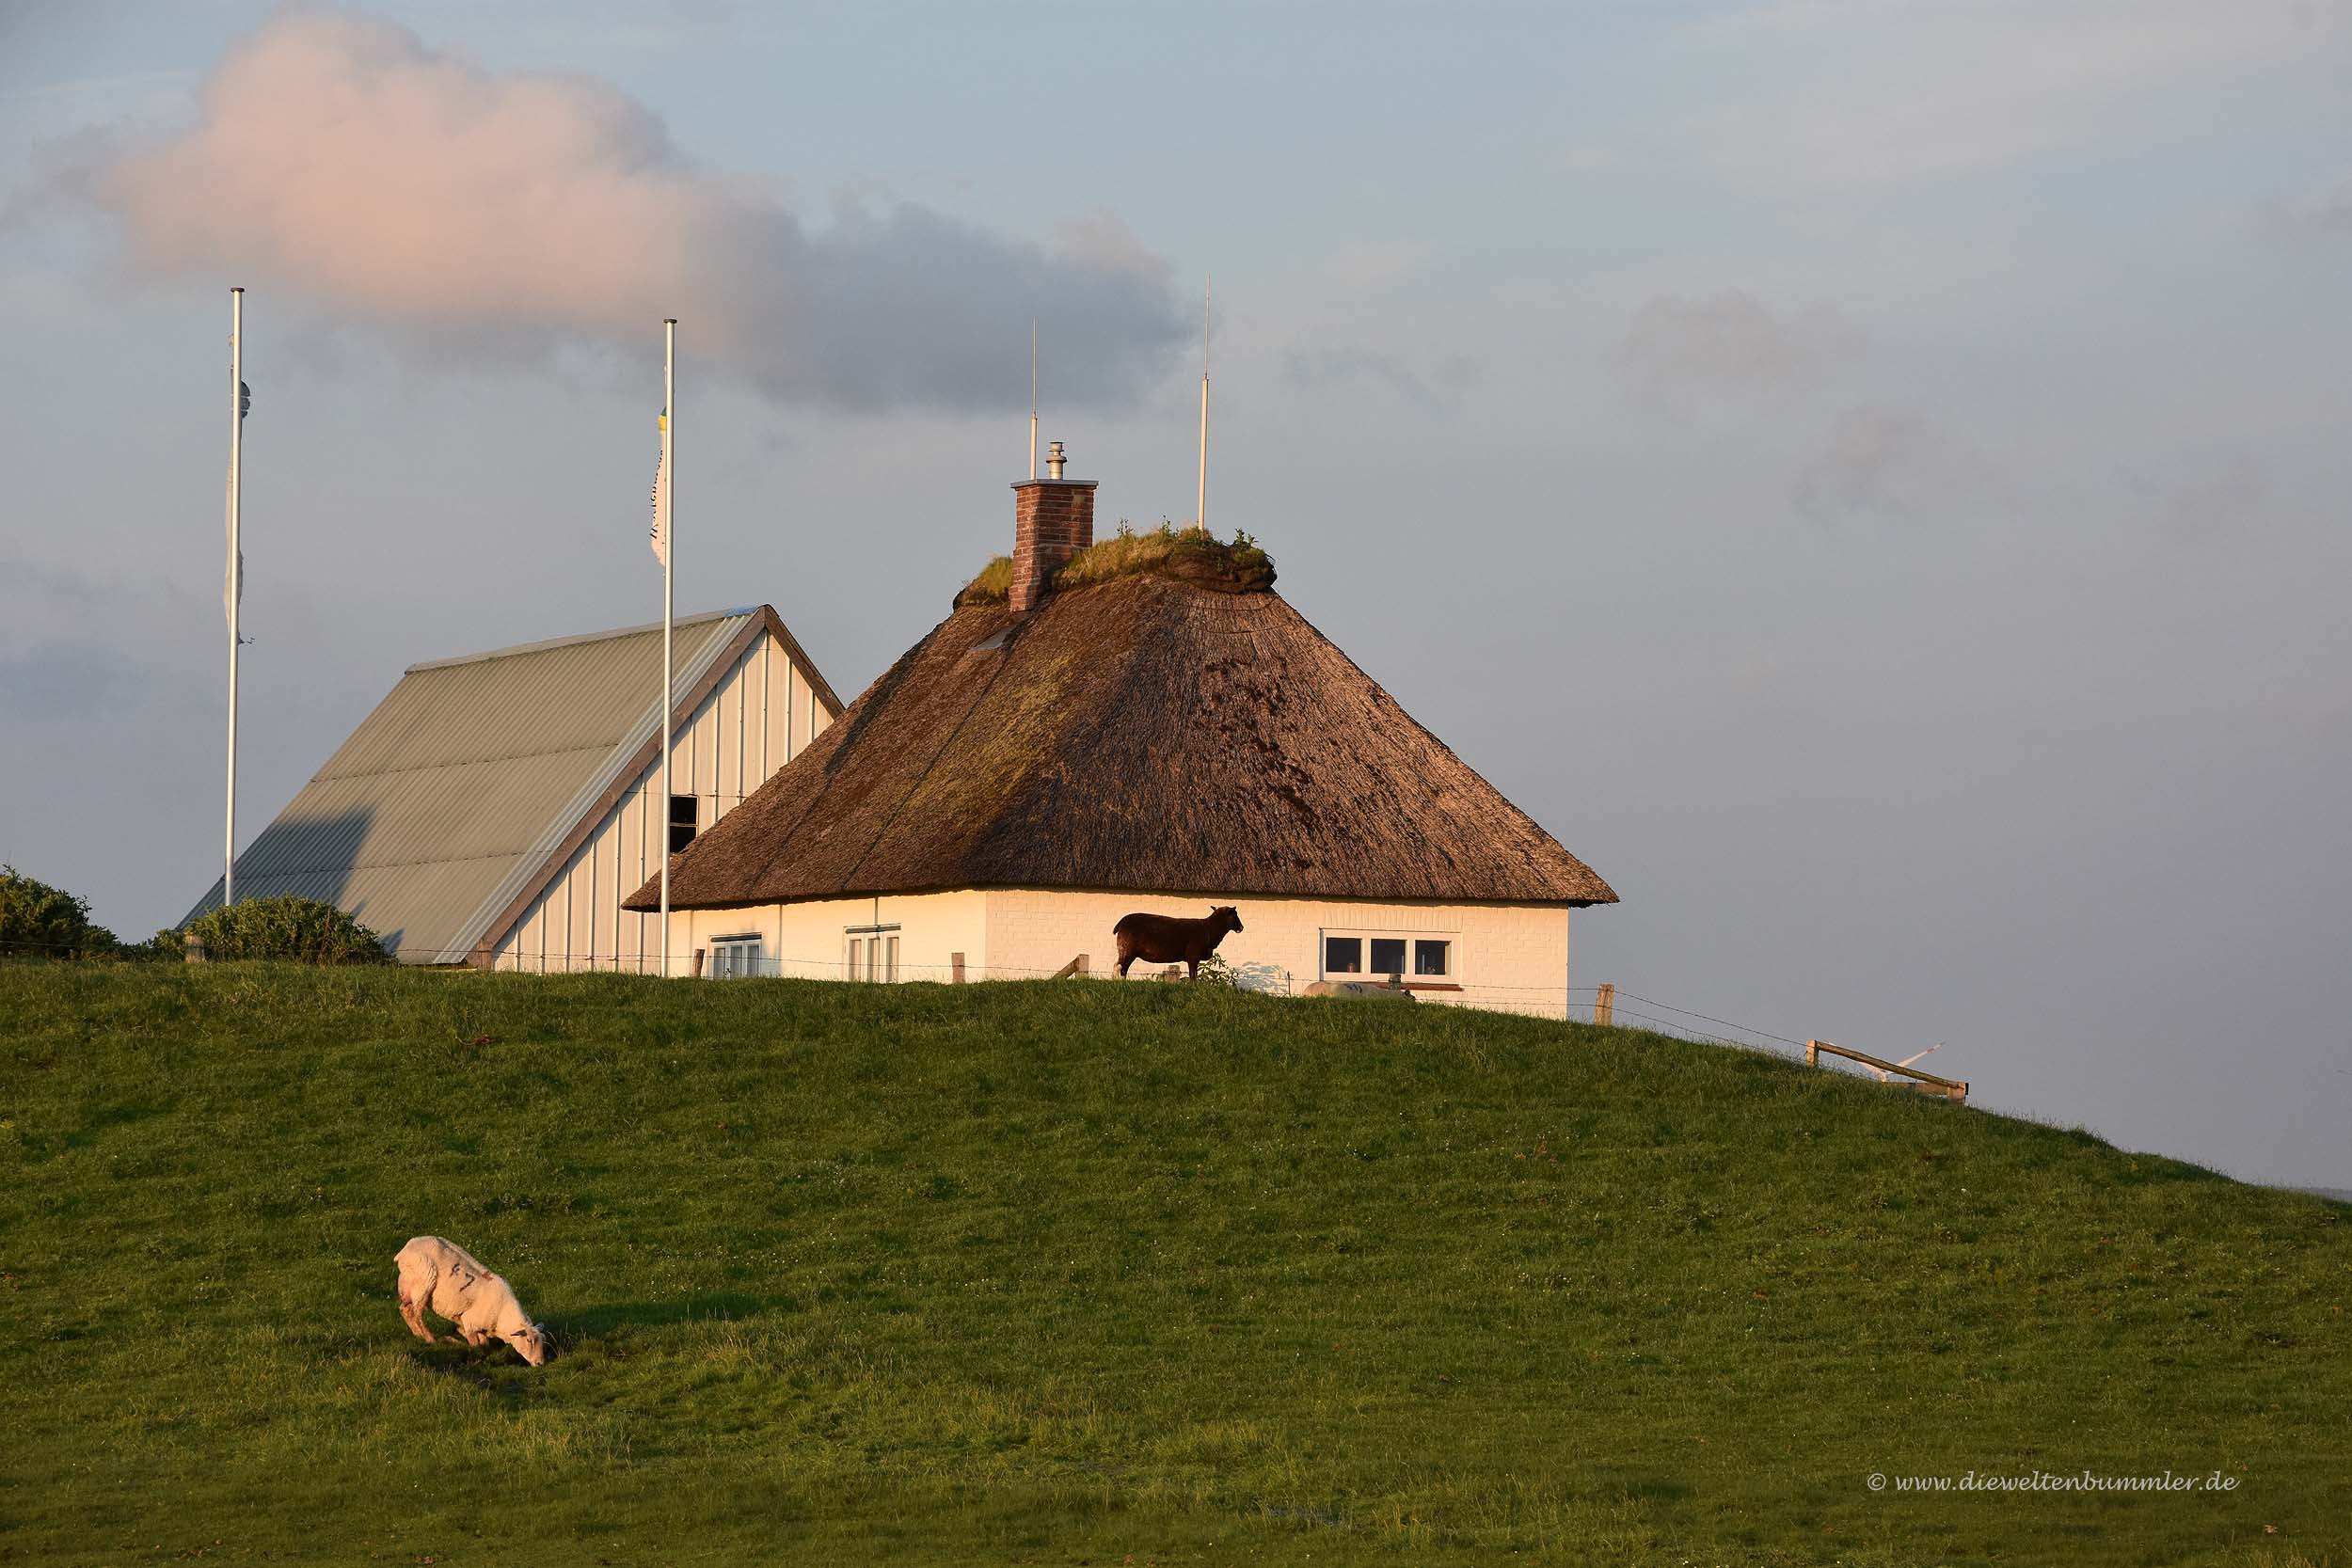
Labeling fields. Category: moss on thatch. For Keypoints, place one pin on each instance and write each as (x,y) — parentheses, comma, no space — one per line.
(1190,554)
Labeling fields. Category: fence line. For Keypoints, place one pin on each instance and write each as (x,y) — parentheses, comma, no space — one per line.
(1526,1001)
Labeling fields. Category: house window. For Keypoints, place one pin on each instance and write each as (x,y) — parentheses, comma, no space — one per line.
(685,816)
(873,952)
(734,957)
(1419,957)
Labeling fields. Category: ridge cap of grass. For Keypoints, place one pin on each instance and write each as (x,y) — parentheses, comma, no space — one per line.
(1187,553)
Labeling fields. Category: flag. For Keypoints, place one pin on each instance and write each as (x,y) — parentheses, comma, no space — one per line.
(233,576)
(659,536)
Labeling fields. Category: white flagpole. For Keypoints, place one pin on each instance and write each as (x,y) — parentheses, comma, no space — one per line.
(236,578)
(669,558)
(1032,397)
(1201,512)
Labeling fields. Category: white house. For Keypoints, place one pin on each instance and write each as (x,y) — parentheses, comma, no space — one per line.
(1148,726)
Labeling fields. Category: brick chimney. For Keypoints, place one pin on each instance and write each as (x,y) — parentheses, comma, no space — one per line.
(1051,519)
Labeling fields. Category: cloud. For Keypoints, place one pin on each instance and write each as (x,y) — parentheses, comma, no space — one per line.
(2315,223)
(1888,458)
(62,680)
(1729,339)
(1333,365)
(343,158)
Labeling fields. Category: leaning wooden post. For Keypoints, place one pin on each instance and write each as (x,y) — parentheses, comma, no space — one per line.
(1605,1005)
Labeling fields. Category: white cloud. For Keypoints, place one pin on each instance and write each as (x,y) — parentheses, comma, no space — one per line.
(344,158)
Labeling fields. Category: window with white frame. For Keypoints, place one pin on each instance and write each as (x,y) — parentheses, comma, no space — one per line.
(734,957)
(873,953)
(1430,958)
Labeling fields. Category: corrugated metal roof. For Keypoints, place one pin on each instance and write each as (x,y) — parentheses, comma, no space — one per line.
(453,795)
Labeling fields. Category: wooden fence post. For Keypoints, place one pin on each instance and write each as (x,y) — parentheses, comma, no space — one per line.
(1605,1005)
(955,969)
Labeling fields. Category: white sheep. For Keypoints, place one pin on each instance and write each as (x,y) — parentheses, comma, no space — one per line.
(443,1275)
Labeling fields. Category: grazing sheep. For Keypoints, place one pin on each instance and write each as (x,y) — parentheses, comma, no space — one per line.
(1161,939)
(445,1277)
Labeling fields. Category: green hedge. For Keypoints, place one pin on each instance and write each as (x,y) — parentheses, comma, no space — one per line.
(40,921)
(286,926)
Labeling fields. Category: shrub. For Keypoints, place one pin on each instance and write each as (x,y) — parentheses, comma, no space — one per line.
(287,926)
(1214,970)
(45,922)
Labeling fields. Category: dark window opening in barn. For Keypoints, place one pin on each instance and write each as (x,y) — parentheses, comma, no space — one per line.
(684,818)
(1388,955)
(1342,955)
(1429,958)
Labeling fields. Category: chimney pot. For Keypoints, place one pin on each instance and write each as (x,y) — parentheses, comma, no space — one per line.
(1053,461)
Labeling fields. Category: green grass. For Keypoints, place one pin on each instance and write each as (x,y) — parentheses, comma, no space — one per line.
(1191,551)
(1085,1273)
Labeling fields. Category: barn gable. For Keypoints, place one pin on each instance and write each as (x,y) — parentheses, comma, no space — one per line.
(480,787)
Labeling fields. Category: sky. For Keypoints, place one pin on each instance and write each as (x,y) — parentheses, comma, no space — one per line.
(1869,476)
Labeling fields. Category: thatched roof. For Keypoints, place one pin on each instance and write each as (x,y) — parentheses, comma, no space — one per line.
(1143,734)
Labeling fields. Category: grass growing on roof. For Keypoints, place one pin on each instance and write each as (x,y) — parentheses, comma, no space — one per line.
(993,584)
(1062,1273)
(1191,552)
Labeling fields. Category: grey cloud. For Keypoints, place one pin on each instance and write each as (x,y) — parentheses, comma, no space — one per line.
(1891,459)
(1435,380)
(349,162)
(1729,339)
(62,680)
(2220,502)
(2315,223)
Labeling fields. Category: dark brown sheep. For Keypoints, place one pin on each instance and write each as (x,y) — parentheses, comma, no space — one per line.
(1162,938)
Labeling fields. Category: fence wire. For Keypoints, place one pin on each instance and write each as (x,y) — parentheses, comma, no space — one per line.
(1569,1003)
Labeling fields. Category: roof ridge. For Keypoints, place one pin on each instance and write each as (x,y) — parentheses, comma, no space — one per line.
(700,618)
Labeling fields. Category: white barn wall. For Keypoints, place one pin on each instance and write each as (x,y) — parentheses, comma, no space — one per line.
(757,717)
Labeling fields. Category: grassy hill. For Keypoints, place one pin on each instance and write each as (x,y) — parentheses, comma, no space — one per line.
(1093,1274)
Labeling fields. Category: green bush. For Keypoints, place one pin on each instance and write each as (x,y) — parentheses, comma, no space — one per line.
(287,926)
(41,921)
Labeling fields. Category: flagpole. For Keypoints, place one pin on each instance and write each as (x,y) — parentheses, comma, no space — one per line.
(669,557)
(236,578)
(1201,511)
